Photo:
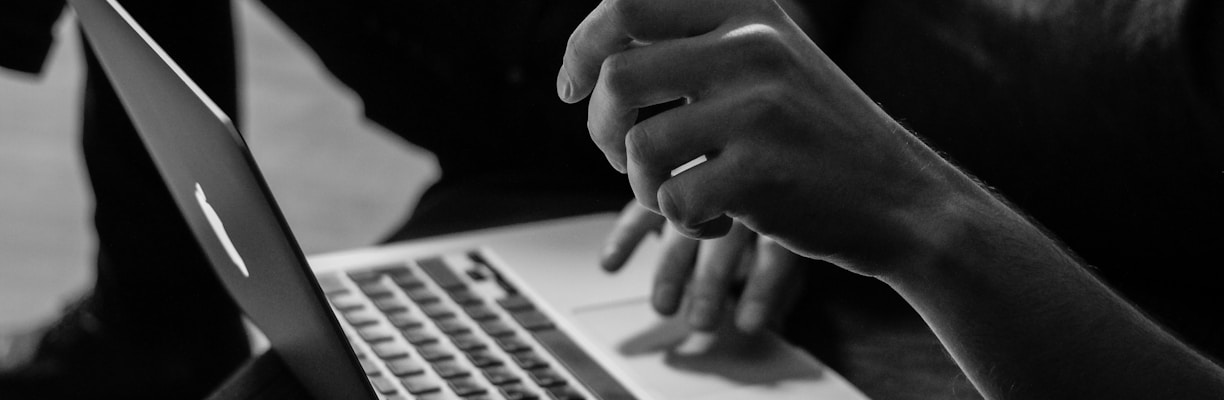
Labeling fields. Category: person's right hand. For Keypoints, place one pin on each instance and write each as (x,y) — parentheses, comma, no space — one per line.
(796,151)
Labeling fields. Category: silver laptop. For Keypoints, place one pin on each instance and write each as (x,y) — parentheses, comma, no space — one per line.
(520,312)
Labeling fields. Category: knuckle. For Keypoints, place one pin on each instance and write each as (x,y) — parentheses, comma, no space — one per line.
(627,12)
(759,46)
(673,207)
(639,147)
(616,74)
(766,103)
(602,137)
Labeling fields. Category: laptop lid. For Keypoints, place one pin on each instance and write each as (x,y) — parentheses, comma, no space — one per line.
(219,190)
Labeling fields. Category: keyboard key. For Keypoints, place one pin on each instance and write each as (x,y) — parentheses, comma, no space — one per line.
(465,297)
(389,350)
(449,369)
(393,269)
(529,360)
(496,328)
(434,352)
(365,275)
(467,342)
(397,397)
(369,366)
(403,320)
(390,305)
(437,311)
(332,284)
(376,333)
(383,385)
(479,312)
(405,366)
(420,384)
(375,289)
(441,274)
(346,302)
(451,326)
(484,358)
(512,344)
(362,317)
(546,377)
(407,281)
(418,336)
(500,375)
(466,387)
(532,320)
(564,393)
(515,303)
(517,391)
(422,295)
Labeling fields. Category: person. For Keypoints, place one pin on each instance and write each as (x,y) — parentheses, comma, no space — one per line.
(790,148)
(423,70)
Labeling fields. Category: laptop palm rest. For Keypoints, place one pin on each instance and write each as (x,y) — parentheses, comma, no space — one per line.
(555,262)
(664,356)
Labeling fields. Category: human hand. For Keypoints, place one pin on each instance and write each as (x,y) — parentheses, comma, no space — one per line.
(795,151)
(743,273)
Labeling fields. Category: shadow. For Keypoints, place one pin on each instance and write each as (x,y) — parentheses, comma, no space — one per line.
(729,353)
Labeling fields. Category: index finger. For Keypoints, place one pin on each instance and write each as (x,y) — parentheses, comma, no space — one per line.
(615,25)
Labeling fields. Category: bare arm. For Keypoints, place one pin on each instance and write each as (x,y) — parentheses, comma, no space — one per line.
(1025,320)
(799,154)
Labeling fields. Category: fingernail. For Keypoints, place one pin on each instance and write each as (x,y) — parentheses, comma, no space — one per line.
(664,299)
(565,89)
(751,317)
(701,316)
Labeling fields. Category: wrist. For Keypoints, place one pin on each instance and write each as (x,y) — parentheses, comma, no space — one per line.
(954,224)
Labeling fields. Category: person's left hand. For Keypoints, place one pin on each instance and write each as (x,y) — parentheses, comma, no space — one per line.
(740,274)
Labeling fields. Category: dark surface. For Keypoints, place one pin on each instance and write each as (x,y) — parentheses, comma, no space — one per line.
(263,377)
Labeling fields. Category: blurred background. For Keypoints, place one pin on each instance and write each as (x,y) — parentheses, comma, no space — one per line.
(340,180)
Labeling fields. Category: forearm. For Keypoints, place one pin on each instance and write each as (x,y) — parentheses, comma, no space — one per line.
(1026,321)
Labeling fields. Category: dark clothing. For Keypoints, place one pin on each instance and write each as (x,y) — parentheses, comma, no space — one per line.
(1103,123)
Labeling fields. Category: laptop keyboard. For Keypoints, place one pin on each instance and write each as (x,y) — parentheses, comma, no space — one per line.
(451,328)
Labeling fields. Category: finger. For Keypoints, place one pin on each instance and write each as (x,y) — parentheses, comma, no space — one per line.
(717,262)
(635,222)
(770,283)
(675,268)
(697,200)
(614,24)
(659,145)
(647,76)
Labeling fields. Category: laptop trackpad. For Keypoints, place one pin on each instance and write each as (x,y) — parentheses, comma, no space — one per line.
(673,362)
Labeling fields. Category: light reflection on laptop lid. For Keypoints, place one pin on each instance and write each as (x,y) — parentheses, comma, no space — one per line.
(219,190)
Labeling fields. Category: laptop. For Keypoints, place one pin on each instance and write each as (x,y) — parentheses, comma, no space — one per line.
(520,312)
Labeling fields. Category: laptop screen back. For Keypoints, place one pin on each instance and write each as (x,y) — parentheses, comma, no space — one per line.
(219,190)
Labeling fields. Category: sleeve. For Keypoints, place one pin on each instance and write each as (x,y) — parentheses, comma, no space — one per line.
(26,32)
